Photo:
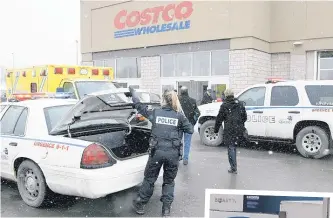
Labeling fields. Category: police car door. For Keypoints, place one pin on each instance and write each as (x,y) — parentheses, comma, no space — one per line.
(13,123)
(255,98)
(285,107)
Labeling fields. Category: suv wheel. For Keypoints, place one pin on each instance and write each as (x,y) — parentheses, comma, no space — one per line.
(312,142)
(207,135)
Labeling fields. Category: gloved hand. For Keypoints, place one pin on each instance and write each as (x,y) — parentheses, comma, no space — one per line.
(216,130)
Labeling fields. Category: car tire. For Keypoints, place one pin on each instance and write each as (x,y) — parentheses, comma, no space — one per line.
(206,134)
(320,140)
(31,184)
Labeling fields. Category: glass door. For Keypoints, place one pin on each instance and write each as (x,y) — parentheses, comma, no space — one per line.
(196,89)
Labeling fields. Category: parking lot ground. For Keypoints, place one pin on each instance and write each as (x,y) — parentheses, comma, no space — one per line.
(270,168)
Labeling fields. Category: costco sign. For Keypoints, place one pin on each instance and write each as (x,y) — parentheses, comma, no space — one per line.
(134,23)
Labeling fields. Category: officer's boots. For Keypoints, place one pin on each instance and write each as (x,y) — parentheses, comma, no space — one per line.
(139,206)
(166,210)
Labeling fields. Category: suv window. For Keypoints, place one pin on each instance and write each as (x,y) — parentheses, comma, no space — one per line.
(320,95)
(10,119)
(254,96)
(284,96)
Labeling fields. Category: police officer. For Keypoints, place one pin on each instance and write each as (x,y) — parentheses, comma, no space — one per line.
(232,112)
(168,127)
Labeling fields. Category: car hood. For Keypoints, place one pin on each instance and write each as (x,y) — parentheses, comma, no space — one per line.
(94,112)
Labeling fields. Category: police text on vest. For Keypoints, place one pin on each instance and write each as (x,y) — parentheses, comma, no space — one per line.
(167,121)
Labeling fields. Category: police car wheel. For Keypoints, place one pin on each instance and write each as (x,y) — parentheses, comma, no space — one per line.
(207,135)
(312,142)
(31,184)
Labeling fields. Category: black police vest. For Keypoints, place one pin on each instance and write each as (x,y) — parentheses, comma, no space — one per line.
(165,127)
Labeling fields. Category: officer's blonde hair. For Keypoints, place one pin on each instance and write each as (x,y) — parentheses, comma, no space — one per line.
(229,92)
(170,98)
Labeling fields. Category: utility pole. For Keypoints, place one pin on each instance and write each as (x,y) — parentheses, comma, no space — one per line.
(77,52)
(13,60)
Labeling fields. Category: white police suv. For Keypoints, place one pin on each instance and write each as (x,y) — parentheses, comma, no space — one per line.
(292,112)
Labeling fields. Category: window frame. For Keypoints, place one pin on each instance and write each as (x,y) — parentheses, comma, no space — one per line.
(256,87)
(192,58)
(277,86)
(26,122)
(319,58)
(137,61)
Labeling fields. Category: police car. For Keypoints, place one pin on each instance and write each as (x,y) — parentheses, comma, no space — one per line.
(86,148)
(291,112)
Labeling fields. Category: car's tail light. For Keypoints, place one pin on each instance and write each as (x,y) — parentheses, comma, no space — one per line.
(95,156)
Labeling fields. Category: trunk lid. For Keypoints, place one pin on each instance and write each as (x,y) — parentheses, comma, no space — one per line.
(106,111)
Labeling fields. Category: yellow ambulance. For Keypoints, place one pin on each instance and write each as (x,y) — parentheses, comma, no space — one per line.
(38,80)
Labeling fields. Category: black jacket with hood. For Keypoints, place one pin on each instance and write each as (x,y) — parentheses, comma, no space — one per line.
(189,107)
(207,98)
(233,114)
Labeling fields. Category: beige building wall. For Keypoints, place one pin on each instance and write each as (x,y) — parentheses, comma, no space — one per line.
(262,34)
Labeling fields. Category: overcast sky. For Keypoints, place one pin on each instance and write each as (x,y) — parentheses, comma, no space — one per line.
(38,32)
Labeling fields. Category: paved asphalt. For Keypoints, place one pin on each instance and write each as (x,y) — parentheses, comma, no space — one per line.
(268,168)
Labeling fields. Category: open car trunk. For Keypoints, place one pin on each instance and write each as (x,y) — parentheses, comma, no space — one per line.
(122,146)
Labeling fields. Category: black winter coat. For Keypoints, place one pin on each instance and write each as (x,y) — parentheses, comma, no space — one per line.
(190,108)
(233,114)
(206,99)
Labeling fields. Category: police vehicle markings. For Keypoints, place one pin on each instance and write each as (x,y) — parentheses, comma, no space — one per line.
(41,141)
(314,108)
(167,121)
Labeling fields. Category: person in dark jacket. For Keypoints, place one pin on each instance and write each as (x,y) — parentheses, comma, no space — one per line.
(168,126)
(207,98)
(192,113)
(233,113)
(222,97)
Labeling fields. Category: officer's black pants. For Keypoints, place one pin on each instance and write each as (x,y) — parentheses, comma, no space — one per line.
(170,161)
(232,142)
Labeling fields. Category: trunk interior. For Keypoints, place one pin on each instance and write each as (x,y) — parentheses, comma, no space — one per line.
(121,145)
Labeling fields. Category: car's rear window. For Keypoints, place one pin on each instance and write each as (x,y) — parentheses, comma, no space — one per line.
(320,95)
(54,115)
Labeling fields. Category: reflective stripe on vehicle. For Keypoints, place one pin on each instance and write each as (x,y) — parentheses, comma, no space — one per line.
(41,140)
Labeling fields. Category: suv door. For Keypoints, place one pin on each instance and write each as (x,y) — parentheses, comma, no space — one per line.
(254,99)
(13,125)
(285,107)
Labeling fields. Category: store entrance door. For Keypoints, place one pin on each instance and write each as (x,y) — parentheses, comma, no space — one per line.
(196,89)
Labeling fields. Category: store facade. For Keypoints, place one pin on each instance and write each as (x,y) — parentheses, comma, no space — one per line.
(204,45)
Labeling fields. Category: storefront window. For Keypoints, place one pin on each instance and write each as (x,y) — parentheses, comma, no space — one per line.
(326,65)
(220,62)
(201,64)
(168,65)
(183,64)
(167,87)
(126,68)
(138,63)
(218,89)
(110,63)
(98,63)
